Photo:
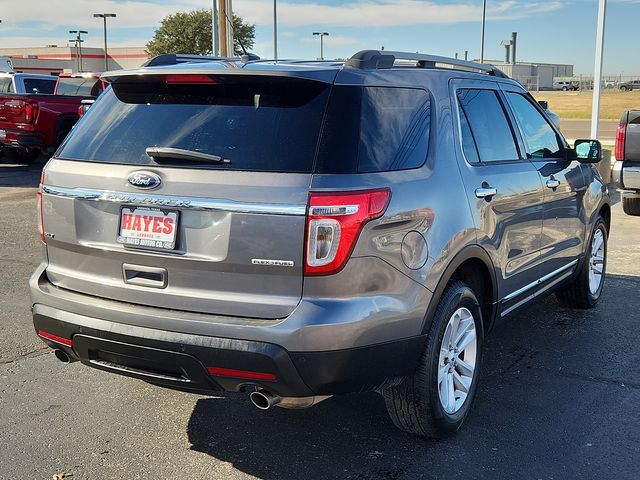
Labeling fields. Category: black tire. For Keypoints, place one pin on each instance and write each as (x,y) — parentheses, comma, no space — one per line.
(564,89)
(577,294)
(414,404)
(631,206)
(23,155)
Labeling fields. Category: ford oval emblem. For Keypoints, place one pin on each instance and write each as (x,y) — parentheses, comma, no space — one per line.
(145,180)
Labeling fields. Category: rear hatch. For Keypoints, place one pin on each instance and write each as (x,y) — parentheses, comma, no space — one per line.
(187,192)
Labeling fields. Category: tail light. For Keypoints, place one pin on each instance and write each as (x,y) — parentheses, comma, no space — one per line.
(30,112)
(40,215)
(334,222)
(80,111)
(621,137)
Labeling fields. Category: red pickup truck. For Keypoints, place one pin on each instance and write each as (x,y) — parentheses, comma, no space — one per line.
(31,124)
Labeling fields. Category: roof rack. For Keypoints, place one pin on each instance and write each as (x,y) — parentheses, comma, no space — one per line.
(375,59)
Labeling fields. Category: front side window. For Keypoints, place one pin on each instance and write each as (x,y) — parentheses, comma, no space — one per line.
(486,133)
(540,138)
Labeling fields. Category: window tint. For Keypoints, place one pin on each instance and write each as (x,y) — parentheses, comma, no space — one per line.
(258,123)
(39,85)
(486,134)
(374,129)
(541,139)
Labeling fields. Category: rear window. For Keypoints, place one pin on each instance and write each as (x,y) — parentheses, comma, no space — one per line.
(39,85)
(6,85)
(255,123)
(375,129)
(79,86)
(274,124)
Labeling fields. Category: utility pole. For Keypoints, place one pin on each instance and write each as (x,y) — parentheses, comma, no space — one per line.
(321,35)
(597,71)
(226,28)
(215,29)
(78,41)
(104,17)
(275,30)
(484,18)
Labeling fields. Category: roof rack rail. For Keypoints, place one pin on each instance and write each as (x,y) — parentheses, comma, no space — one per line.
(177,58)
(376,59)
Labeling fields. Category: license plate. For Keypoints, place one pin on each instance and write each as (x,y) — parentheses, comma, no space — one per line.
(3,134)
(147,227)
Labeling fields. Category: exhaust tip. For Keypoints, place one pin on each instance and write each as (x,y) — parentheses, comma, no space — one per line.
(62,356)
(262,400)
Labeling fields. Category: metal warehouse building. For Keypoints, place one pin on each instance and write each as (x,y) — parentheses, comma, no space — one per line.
(534,75)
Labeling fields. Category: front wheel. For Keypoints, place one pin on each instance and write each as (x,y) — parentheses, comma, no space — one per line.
(437,398)
(584,292)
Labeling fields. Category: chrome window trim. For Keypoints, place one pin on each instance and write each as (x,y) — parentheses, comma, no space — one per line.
(175,201)
(541,280)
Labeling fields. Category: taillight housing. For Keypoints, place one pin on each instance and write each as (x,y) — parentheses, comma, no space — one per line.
(40,215)
(30,112)
(80,111)
(621,137)
(334,222)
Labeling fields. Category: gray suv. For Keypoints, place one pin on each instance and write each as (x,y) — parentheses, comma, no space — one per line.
(296,230)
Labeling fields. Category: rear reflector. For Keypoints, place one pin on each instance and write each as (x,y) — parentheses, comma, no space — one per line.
(227,372)
(621,138)
(55,338)
(187,79)
(334,223)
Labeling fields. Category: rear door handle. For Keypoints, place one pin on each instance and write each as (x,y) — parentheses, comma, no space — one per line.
(485,192)
(553,183)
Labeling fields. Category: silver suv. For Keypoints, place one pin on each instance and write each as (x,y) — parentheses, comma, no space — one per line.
(297,230)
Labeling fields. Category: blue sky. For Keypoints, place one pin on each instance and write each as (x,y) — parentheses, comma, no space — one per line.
(553,31)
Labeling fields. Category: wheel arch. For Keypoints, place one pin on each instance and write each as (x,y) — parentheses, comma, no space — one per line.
(472,262)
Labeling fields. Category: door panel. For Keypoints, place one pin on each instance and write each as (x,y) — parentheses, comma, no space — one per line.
(509,219)
(563,183)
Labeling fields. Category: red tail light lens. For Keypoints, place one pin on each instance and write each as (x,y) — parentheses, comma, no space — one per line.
(334,222)
(621,137)
(30,112)
(40,216)
(55,338)
(80,111)
(228,372)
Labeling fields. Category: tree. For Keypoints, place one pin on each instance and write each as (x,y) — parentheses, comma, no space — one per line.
(190,32)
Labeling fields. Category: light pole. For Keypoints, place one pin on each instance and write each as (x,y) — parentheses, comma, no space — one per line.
(104,17)
(484,17)
(78,40)
(275,30)
(597,71)
(321,35)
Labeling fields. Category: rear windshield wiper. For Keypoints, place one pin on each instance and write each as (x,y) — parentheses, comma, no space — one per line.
(160,153)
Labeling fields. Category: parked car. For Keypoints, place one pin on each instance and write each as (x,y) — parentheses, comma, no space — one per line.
(27,83)
(565,85)
(629,86)
(369,231)
(626,170)
(31,124)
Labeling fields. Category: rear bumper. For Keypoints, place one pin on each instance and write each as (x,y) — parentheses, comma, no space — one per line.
(182,361)
(322,348)
(19,139)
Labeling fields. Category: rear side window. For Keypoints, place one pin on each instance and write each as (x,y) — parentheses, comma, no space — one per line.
(256,123)
(486,133)
(39,85)
(374,129)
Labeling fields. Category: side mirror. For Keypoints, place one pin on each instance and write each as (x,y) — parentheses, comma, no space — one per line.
(588,151)
(543,104)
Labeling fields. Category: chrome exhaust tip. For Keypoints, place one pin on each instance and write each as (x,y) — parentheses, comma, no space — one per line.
(263,400)
(63,357)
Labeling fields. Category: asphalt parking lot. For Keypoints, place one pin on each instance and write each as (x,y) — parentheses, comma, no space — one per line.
(558,400)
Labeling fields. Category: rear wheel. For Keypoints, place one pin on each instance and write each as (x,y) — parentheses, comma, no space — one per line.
(584,292)
(437,398)
(631,206)
(22,155)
